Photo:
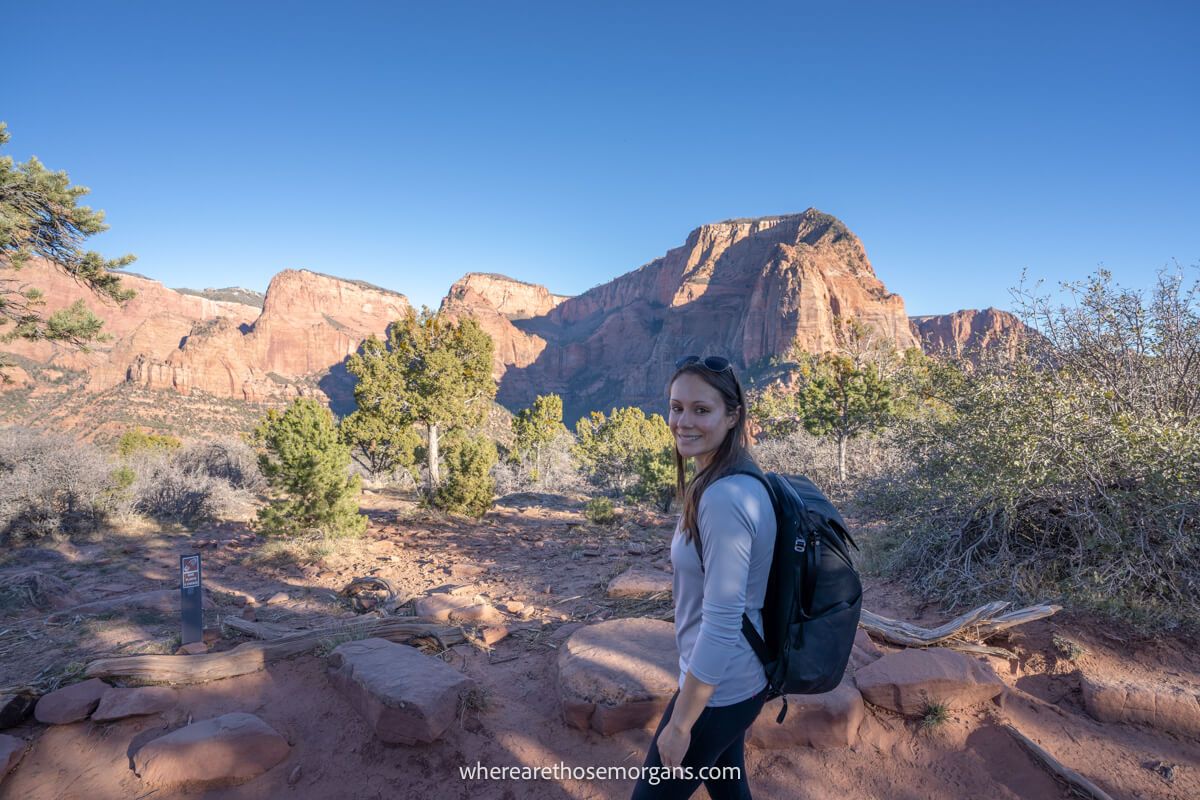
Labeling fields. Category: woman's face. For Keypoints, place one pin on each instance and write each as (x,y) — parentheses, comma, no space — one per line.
(698,419)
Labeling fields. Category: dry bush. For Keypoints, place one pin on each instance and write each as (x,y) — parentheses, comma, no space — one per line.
(164,488)
(816,457)
(559,474)
(50,484)
(230,460)
(1068,471)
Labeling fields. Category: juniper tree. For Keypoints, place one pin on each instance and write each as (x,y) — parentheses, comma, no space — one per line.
(40,217)
(842,394)
(468,488)
(626,451)
(304,459)
(431,371)
(537,426)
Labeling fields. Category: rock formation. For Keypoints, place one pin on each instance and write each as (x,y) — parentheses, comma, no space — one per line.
(494,301)
(967,331)
(745,289)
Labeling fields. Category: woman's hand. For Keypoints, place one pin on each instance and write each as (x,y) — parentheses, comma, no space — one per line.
(673,745)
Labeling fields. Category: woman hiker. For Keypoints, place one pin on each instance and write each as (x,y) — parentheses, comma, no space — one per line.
(722,685)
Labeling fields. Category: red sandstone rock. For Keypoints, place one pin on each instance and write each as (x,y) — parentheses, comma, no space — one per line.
(618,674)
(71,703)
(822,721)
(910,680)
(224,751)
(448,606)
(639,582)
(1165,707)
(120,703)
(404,695)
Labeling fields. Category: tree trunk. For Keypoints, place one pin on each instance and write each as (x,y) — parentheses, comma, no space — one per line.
(434,477)
(841,445)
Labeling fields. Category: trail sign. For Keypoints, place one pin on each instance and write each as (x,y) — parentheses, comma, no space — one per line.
(190,599)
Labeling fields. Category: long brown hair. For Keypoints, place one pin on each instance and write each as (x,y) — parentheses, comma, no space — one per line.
(734,448)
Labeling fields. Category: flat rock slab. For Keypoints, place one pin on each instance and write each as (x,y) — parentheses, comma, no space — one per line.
(910,680)
(224,751)
(463,609)
(639,582)
(121,703)
(12,750)
(823,721)
(71,703)
(618,674)
(405,696)
(15,709)
(1164,707)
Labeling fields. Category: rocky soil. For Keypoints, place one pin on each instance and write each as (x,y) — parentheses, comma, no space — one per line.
(523,581)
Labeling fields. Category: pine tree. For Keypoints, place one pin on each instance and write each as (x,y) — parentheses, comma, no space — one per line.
(40,217)
(432,372)
(304,459)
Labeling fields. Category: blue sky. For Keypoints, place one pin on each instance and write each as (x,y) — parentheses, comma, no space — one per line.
(566,143)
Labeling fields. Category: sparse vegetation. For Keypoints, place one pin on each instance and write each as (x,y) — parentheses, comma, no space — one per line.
(1065,469)
(50,484)
(1068,649)
(600,511)
(934,715)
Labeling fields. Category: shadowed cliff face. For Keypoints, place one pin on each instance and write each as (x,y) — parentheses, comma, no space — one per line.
(745,289)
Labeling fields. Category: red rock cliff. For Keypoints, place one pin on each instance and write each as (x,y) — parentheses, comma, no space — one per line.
(745,289)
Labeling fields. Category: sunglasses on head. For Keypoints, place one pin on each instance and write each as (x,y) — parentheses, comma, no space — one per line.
(711,363)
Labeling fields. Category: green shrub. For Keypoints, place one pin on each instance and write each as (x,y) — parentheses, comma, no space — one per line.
(468,487)
(600,511)
(304,460)
(627,452)
(137,440)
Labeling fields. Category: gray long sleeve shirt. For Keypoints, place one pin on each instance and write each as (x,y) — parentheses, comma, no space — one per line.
(737,530)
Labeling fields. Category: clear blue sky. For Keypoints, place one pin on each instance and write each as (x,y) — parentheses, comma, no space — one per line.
(566,143)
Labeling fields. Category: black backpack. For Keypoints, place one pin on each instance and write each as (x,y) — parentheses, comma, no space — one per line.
(814,596)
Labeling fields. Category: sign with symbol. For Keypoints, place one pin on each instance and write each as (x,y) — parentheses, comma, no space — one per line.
(190,597)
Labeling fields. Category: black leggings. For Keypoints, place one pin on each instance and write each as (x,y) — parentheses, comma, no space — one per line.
(718,740)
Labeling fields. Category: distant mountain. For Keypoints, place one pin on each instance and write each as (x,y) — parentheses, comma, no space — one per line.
(967,331)
(745,289)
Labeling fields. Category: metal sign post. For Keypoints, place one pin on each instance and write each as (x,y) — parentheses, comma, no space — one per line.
(190,605)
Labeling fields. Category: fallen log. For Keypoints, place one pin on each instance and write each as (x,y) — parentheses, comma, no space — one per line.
(254,656)
(979,623)
(1078,784)
(259,630)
